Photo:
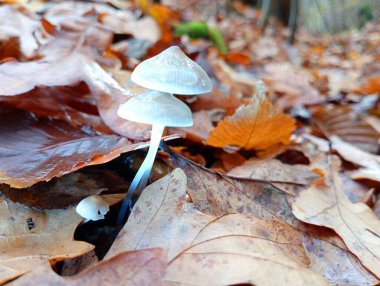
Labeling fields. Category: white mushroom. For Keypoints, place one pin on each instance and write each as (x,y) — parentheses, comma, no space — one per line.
(92,208)
(159,109)
(173,72)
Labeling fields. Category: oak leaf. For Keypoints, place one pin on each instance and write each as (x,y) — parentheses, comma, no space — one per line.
(356,224)
(30,237)
(142,267)
(217,194)
(206,249)
(258,125)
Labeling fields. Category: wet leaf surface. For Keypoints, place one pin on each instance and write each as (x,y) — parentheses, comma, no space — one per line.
(35,150)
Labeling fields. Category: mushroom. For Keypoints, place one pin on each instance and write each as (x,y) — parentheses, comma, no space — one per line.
(92,208)
(170,72)
(159,109)
(173,72)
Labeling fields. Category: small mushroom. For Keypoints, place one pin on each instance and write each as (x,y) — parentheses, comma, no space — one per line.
(92,208)
(159,109)
(173,72)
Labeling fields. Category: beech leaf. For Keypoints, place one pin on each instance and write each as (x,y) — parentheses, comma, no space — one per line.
(258,125)
(36,150)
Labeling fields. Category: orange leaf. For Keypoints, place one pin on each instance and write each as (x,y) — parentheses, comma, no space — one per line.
(259,125)
(371,86)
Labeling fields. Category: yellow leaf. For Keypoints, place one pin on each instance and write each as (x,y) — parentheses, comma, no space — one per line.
(356,223)
(258,125)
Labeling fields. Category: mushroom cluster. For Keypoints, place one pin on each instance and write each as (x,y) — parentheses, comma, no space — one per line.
(170,72)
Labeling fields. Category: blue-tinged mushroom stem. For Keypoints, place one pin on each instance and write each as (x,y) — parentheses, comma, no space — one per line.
(141,178)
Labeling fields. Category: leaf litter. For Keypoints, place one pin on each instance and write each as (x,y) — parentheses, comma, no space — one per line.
(264,206)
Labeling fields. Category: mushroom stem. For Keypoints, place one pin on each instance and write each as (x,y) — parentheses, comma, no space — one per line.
(141,178)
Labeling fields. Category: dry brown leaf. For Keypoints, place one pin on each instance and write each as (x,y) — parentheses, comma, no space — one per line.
(67,190)
(109,100)
(283,78)
(207,249)
(337,265)
(16,21)
(35,150)
(233,80)
(201,128)
(356,224)
(217,194)
(73,104)
(343,122)
(143,267)
(274,170)
(30,237)
(68,61)
(216,99)
(258,125)
(372,86)
(369,174)
(353,154)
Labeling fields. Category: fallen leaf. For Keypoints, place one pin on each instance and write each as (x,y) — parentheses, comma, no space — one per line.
(231,160)
(30,237)
(67,190)
(78,264)
(73,104)
(295,84)
(258,125)
(216,99)
(66,61)
(355,155)
(274,170)
(201,128)
(35,150)
(233,80)
(142,267)
(108,102)
(343,122)
(356,224)
(369,174)
(16,21)
(217,194)
(337,265)
(371,86)
(207,249)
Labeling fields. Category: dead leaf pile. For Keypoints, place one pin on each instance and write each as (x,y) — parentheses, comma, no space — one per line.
(277,182)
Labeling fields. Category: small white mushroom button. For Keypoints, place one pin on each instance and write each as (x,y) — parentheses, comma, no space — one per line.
(93,208)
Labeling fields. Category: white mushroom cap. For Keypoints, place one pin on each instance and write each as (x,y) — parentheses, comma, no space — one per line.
(156,107)
(93,207)
(173,72)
